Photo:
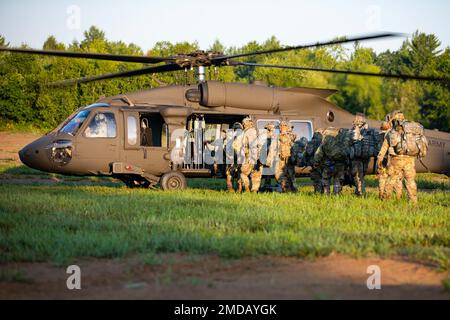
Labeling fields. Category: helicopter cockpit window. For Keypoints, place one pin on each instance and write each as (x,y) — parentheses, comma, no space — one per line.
(75,123)
(102,125)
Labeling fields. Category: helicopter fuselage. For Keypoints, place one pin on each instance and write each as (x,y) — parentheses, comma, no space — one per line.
(135,136)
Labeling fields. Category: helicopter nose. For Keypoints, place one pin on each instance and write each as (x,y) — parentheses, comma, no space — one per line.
(33,155)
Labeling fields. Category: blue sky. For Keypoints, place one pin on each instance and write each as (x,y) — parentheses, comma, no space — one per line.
(233,22)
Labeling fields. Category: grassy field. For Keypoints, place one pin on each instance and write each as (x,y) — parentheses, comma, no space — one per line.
(44,220)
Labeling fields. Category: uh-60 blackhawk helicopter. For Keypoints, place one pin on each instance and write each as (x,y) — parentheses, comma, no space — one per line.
(132,136)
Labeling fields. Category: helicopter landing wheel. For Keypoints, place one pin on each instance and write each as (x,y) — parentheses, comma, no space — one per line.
(173,181)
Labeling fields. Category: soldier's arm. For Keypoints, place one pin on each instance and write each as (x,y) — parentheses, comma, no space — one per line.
(382,153)
(318,156)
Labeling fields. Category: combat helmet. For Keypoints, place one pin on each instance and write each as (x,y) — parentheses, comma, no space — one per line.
(270,126)
(385,126)
(360,120)
(237,126)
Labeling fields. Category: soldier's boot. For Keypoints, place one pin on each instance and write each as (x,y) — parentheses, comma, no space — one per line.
(398,188)
(283,185)
(326,187)
(293,187)
(363,186)
(245,182)
(229,184)
(239,186)
(256,180)
(337,187)
(411,190)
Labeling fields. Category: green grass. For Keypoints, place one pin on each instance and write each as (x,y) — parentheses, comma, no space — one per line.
(68,220)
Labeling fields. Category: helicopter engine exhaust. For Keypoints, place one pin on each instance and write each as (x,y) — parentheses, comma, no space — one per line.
(215,94)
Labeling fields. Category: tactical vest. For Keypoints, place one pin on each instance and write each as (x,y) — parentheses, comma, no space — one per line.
(285,145)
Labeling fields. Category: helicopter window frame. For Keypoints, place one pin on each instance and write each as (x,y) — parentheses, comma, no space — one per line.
(310,128)
(163,133)
(134,125)
(81,125)
(91,118)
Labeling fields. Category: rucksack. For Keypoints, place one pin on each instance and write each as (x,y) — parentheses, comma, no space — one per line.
(411,141)
(336,144)
(416,144)
(365,145)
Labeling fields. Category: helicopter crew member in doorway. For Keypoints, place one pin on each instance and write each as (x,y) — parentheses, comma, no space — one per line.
(251,167)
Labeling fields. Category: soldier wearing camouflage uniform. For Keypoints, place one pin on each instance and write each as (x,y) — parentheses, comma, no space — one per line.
(298,152)
(285,169)
(333,169)
(269,141)
(233,165)
(251,167)
(382,175)
(401,165)
(359,155)
(308,159)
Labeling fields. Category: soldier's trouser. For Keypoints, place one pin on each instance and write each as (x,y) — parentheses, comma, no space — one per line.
(285,175)
(382,179)
(255,174)
(359,169)
(232,175)
(401,167)
(335,172)
(316,177)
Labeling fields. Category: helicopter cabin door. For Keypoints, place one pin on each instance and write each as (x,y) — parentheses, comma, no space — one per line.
(97,141)
(146,141)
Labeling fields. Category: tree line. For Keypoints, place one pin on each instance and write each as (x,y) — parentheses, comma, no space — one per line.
(25,98)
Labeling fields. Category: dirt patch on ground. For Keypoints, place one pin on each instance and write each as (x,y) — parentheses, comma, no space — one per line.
(175,276)
(11,143)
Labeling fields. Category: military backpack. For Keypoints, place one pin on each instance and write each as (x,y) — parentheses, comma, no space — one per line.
(364,144)
(413,141)
(336,144)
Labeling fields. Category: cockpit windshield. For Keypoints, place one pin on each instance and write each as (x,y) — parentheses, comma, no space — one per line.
(75,123)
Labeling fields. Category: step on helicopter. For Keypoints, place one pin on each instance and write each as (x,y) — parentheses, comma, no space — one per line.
(133,136)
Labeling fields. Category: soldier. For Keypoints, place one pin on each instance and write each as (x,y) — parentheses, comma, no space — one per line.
(360,153)
(332,157)
(308,158)
(285,170)
(251,167)
(381,170)
(298,152)
(233,166)
(268,140)
(402,155)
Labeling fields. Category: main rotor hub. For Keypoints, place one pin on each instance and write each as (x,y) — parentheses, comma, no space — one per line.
(197,59)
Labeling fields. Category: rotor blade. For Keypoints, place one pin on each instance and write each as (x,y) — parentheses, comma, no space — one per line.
(86,55)
(137,72)
(313,45)
(357,73)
